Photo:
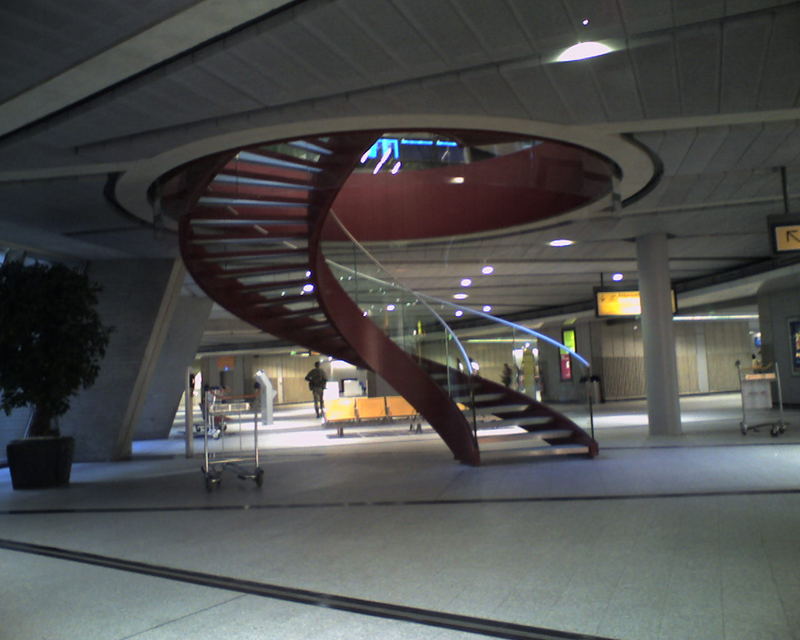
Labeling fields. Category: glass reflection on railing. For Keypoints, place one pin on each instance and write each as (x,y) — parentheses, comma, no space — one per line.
(421,325)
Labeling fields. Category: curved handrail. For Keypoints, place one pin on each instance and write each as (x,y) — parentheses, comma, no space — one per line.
(421,297)
(424,298)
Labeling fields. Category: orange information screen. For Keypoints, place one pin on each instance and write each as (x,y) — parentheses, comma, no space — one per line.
(621,303)
(618,303)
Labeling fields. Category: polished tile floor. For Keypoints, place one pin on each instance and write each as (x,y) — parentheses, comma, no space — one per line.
(380,534)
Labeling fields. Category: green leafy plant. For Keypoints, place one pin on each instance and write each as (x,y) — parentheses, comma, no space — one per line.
(51,339)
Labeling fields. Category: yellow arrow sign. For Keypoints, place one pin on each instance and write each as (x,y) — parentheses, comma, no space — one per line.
(787,237)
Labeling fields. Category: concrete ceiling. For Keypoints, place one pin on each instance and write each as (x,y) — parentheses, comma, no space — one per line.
(699,104)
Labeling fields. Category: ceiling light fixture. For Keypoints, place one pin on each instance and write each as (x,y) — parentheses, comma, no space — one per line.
(459,313)
(487,308)
(460,296)
(390,307)
(465,282)
(308,288)
(487,270)
(561,242)
(584,50)
(617,277)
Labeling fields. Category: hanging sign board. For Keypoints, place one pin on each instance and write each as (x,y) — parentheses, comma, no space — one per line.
(785,233)
(621,303)
(618,303)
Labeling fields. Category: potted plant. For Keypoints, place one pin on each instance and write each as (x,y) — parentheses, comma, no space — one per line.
(51,345)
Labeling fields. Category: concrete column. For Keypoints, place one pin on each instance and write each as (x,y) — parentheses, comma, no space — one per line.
(658,337)
(184,330)
(701,359)
(139,299)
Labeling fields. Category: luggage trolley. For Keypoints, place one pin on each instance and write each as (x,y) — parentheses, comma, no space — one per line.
(755,384)
(245,466)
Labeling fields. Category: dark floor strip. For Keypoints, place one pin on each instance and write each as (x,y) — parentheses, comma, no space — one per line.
(481,626)
(403,503)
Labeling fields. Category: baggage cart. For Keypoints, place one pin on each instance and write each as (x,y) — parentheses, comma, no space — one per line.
(242,461)
(755,384)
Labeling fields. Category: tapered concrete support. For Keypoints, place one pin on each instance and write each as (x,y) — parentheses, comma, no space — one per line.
(184,333)
(139,299)
(658,337)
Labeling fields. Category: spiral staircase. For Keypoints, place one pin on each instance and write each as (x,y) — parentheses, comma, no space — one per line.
(252,223)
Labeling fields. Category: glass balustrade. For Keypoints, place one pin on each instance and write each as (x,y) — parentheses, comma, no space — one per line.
(448,339)
(412,323)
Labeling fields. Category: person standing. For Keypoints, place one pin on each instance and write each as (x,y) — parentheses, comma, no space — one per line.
(505,376)
(316,382)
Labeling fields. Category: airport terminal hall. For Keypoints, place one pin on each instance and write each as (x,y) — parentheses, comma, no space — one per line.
(400,319)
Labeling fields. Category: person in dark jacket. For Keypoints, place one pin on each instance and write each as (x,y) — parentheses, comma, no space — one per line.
(316,382)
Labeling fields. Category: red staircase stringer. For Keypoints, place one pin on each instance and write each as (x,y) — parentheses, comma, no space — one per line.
(395,366)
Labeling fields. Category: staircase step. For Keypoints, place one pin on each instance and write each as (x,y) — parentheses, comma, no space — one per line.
(283,313)
(222,201)
(272,238)
(231,179)
(225,216)
(271,269)
(282,175)
(545,450)
(278,160)
(282,285)
(310,146)
(250,256)
(498,408)
(544,434)
(521,421)
(283,301)
(478,397)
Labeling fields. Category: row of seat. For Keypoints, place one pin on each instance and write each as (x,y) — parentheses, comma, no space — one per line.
(342,410)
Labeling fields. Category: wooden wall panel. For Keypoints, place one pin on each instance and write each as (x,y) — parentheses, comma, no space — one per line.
(726,342)
(686,357)
(621,366)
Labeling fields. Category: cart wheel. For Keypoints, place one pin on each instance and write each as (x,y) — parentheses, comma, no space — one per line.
(209,484)
(259,477)
(743,427)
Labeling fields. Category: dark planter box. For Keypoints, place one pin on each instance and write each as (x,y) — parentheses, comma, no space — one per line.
(38,463)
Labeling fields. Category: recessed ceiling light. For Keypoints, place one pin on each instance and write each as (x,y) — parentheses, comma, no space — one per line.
(487,308)
(561,242)
(458,313)
(583,50)
(308,288)
(585,22)
(487,270)
(460,296)
(617,277)
(390,307)
(465,282)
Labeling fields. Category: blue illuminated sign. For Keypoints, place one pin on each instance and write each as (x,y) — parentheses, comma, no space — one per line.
(382,144)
